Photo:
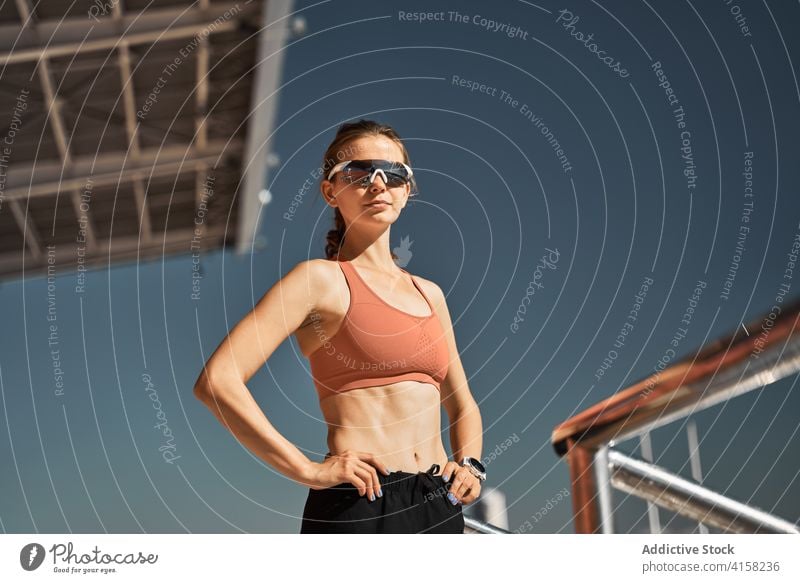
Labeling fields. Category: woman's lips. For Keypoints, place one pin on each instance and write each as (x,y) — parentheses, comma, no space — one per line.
(380,204)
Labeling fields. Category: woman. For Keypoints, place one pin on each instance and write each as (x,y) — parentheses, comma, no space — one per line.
(382,354)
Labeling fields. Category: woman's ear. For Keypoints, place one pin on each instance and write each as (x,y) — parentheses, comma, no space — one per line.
(327,192)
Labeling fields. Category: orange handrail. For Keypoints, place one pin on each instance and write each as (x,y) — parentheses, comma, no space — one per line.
(690,384)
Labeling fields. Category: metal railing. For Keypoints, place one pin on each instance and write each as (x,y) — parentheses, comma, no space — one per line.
(688,498)
(475,526)
(731,366)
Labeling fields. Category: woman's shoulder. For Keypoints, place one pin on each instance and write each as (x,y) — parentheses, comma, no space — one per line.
(316,271)
(322,276)
(317,282)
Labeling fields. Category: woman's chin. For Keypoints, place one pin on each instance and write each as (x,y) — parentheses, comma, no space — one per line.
(386,217)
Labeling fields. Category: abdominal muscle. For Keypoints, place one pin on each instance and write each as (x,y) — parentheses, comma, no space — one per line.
(399,423)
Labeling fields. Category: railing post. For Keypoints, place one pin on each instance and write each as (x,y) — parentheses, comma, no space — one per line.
(646,447)
(604,492)
(694,458)
(584,508)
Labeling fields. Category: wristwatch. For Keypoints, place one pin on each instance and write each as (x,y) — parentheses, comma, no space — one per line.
(474,466)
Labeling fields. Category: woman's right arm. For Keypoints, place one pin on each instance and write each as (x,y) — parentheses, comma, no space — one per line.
(221,385)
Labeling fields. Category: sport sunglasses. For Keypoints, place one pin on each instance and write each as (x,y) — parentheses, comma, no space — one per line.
(363,172)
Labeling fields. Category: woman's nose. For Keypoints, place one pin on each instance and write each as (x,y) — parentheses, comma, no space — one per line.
(378,183)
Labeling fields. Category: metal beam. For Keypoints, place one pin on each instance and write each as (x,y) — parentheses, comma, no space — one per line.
(782,360)
(201,118)
(688,498)
(122,249)
(727,368)
(584,490)
(53,107)
(45,178)
(69,36)
(604,491)
(131,127)
(143,212)
(475,526)
(201,89)
(128,99)
(131,174)
(269,63)
(26,226)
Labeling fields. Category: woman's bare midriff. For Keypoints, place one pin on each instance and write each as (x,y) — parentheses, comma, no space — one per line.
(399,423)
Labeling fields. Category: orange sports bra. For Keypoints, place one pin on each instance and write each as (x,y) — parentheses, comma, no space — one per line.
(378,344)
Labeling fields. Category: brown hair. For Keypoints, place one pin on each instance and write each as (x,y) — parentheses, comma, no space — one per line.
(336,153)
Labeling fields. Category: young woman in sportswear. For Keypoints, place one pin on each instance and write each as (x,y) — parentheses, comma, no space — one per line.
(383,358)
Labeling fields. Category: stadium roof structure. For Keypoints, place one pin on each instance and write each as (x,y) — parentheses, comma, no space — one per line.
(133,129)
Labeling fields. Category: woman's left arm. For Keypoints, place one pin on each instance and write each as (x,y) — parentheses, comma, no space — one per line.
(466,427)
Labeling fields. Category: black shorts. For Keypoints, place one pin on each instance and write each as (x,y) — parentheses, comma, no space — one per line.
(411,503)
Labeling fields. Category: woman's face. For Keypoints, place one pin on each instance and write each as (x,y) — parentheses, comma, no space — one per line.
(358,203)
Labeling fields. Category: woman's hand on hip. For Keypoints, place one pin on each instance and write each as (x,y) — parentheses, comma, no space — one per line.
(356,467)
(462,484)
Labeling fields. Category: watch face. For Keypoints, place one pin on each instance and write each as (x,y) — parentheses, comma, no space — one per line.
(477,465)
